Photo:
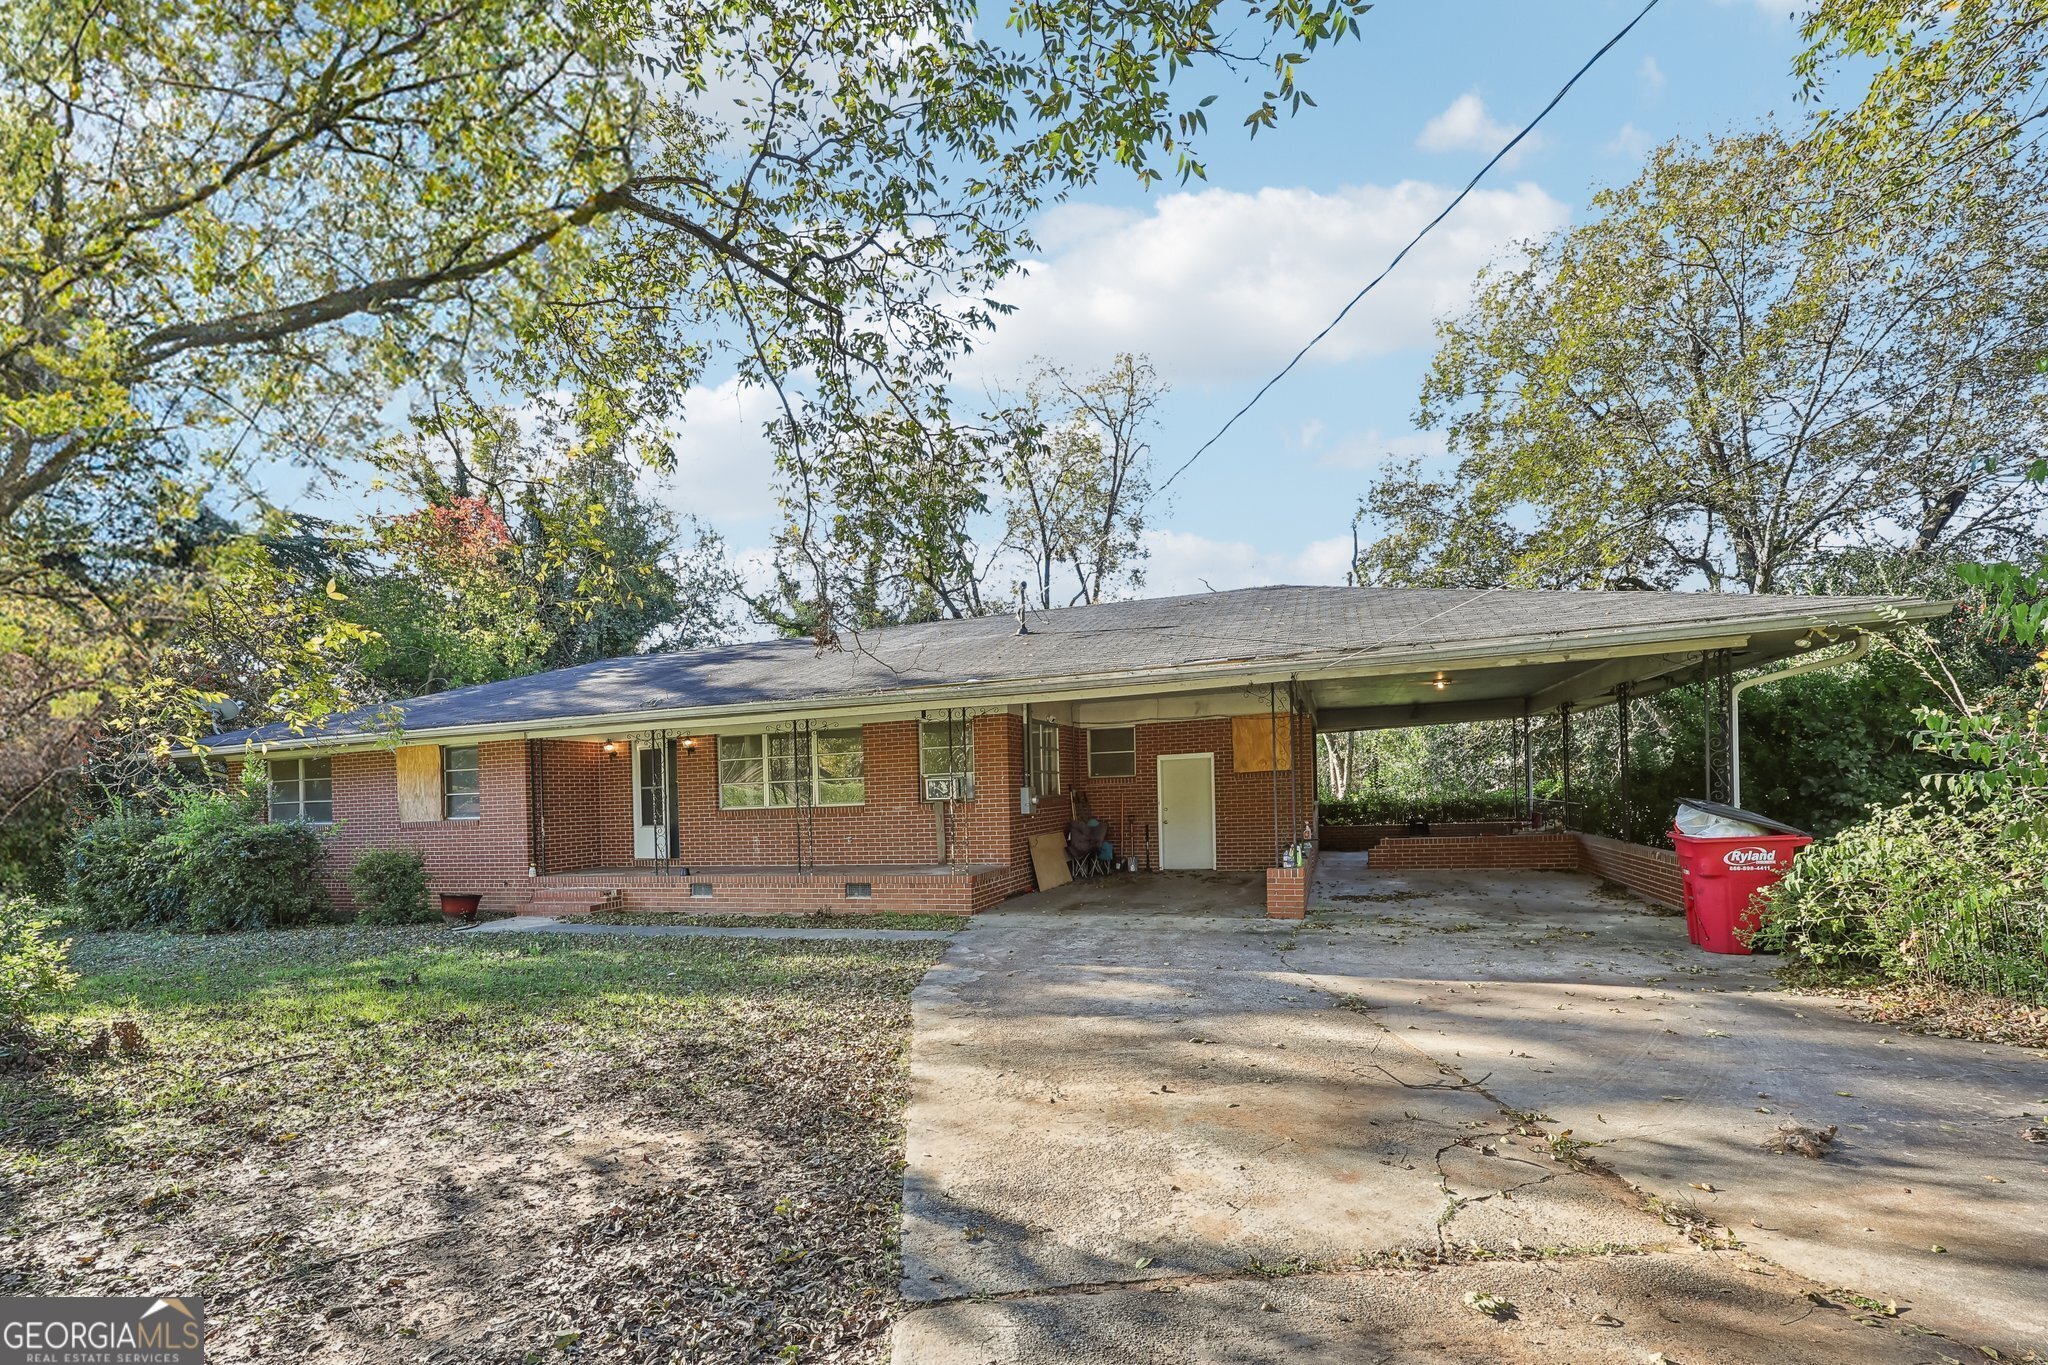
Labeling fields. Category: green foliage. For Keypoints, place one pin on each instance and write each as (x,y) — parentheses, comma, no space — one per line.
(252,876)
(1389,808)
(209,867)
(32,847)
(33,962)
(1737,364)
(1924,889)
(119,874)
(390,887)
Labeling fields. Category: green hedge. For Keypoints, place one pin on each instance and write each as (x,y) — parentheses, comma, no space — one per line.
(390,887)
(209,867)
(1925,889)
(1370,808)
(119,874)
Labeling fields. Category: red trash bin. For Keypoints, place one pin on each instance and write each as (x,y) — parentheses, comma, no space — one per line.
(1723,876)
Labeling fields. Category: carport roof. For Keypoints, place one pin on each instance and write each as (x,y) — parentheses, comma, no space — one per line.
(1323,637)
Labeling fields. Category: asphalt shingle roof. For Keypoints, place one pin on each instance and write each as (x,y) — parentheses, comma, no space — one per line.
(1250,625)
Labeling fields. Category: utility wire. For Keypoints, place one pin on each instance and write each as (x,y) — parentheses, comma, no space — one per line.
(1415,241)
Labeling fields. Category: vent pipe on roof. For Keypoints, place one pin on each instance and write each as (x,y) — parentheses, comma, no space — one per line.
(1022,629)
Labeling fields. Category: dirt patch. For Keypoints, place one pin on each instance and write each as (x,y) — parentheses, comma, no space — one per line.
(680,1150)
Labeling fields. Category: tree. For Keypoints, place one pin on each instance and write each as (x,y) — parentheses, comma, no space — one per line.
(908,518)
(221,222)
(1715,381)
(1075,475)
(611,570)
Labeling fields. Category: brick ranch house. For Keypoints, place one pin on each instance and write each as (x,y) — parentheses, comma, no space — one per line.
(910,768)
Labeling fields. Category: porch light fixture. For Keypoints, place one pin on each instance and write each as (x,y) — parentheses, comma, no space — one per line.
(690,744)
(1439,682)
(611,748)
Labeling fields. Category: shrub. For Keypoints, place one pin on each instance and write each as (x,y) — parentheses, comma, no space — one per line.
(1925,889)
(251,876)
(209,867)
(390,886)
(32,963)
(118,874)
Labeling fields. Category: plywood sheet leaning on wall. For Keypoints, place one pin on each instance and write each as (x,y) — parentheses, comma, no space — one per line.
(1049,860)
(1259,744)
(419,783)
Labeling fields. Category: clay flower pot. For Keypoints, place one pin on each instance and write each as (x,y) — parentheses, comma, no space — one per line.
(459,909)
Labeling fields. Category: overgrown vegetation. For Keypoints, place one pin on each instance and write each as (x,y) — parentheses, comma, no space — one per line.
(34,970)
(1953,886)
(210,865)
(390,887)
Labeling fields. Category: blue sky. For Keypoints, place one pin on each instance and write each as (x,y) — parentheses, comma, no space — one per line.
(1220,282)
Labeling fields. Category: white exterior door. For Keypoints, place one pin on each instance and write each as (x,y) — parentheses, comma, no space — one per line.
(1187,811)
(652,805)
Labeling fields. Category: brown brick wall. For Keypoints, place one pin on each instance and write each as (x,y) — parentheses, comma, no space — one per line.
(485,856)
(1531,852)
(588,816)
(1246,803)
(1363,838)
(1651,873)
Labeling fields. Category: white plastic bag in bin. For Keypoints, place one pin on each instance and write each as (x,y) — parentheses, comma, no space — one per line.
(1712,820)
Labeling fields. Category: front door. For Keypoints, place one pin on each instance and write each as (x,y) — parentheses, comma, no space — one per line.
(653,808)
(1187,811)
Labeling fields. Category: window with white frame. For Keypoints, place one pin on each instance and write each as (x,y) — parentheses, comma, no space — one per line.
(461,789)
(1113,753)
(1042,758)
(762,771)
(945,748)
(301,789)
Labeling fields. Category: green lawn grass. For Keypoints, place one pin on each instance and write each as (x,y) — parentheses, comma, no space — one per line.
(519,1100)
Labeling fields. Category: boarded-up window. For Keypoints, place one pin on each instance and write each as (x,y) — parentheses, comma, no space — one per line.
(419,784)
(1259,744)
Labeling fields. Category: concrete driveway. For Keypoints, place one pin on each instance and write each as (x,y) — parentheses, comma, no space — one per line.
(1147,1124)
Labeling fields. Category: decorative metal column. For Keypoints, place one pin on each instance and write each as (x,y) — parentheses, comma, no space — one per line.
(1624,815)
(1564,759)
(1717,681)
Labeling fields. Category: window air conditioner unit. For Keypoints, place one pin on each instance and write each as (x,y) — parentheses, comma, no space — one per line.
(941,788)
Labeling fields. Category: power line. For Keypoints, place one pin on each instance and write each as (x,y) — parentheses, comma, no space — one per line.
(1415,241)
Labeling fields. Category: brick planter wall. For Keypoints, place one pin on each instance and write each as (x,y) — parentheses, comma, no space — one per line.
(1651,873)
(1363,838)
(1529,852)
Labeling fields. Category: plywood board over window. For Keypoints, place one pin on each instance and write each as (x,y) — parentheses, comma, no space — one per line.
(419,784)
(1259,744)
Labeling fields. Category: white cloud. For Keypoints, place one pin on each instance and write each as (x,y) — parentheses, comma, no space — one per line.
(1372,449)
(1465,126)
(1222,285)
(1650,76)
(1184,562)
(1629,141)
(725,468)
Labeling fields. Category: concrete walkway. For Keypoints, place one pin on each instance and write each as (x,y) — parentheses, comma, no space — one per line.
(1169,1132)
(542,924)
